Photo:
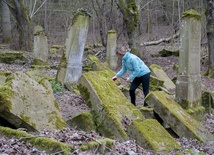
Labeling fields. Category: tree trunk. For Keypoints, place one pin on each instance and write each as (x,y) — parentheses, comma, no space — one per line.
(20,12)
(130,13)
(100,10)
(6,23)
(210,35)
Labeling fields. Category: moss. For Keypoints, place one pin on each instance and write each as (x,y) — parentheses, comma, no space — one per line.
(197,112)
(86,94)
(53,51)
(150,134)
(58,46)
(192,14)
(111,31)
(39,62)
(83,121)
(106,142)
(86,48)
(153,66)
(115,105)
(51,146)
(11,57)
(80,12)
(6,93)
(42,143)
(60,124)
(25,118)
(179,114)
(8,132)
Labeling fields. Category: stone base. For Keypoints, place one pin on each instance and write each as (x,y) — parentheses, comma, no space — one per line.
(188,91)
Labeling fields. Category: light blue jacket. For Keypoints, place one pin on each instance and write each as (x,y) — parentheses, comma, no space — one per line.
(133,64)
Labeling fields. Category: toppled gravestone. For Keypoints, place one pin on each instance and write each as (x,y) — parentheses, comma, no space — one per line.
(160,74)
(82,121)
(25,103)
(182,123)
(10,56)
(115,116)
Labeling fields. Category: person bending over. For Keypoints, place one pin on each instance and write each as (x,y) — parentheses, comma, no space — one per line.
(140,72)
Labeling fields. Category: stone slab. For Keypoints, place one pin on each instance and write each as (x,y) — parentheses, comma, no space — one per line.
(182,123)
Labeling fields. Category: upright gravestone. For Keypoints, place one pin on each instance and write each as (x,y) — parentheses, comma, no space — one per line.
(188,84)
(111,49)
(40,45)
(75,44)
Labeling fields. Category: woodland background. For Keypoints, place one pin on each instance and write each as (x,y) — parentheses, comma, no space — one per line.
(157,19)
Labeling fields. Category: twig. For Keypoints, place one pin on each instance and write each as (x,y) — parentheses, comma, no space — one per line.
(57,152)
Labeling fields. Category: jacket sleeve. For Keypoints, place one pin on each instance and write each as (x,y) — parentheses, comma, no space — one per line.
(122,70)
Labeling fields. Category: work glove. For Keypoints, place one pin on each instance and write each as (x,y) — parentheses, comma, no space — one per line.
(114,78)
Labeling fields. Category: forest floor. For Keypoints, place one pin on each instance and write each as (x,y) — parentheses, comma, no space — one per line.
(72,104)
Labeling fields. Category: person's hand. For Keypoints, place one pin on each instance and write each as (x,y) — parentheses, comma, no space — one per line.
(114,78)
(128,80)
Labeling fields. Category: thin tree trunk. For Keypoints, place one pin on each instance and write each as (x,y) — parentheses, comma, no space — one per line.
(20,12)
(6,23)
(210,35)
(130,13)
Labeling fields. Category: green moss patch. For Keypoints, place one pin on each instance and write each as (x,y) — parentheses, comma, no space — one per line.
(42,143)
(150,134)
(83,121)
(192,14)
(103,145)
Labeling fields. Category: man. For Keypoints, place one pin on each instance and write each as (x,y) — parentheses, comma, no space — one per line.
(140,73)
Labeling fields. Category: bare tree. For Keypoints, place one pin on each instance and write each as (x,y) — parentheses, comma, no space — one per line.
(6,23)
(20,12)
(210,35)
(130,13)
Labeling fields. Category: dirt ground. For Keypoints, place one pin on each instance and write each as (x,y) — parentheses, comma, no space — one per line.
(72,104)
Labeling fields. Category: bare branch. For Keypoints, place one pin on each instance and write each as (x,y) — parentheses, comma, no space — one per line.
(160,40)
(33,13)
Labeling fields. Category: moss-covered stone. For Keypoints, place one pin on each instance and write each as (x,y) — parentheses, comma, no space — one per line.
(147,112)
(111,31)
(182,123)
(41,143)
(192,14)
(96,65)
(151,135)
(160,74)
(12,57)
(102,145)
(166,53)
(39,62)
(83,121)
(24,99)
(109,106)
(197,112)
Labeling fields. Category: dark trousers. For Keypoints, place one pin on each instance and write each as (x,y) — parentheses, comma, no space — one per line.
(144,80)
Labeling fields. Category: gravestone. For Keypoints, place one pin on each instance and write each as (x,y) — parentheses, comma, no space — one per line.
(111,49)
(188,84)
(40,45)
(75,44)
